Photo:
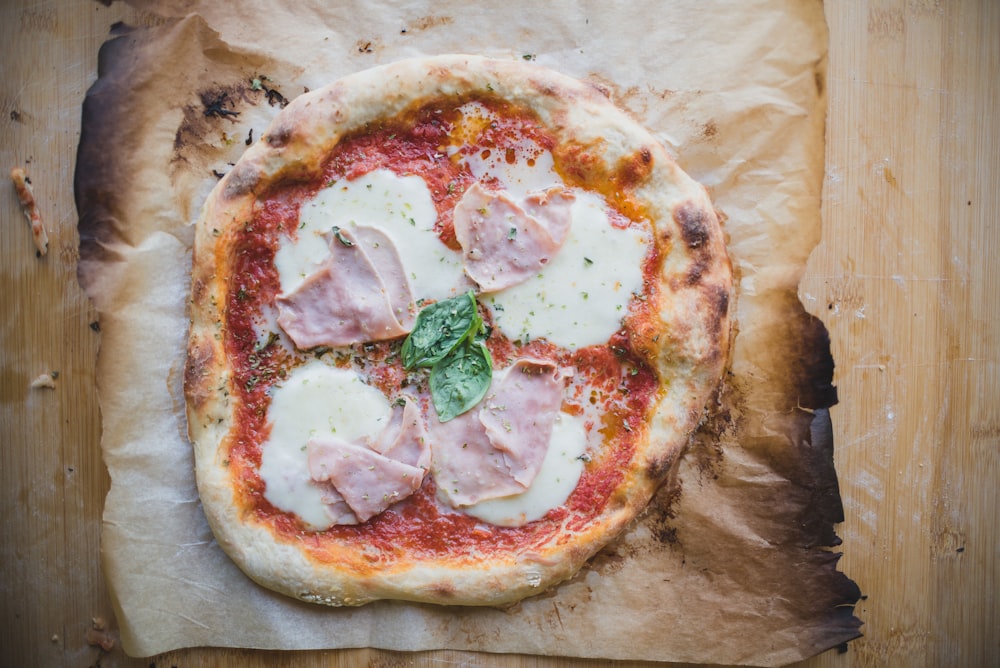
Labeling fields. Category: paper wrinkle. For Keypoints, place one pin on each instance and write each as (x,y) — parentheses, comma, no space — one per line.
(735,97)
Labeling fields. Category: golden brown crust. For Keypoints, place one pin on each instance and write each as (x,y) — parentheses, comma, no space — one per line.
(685,335)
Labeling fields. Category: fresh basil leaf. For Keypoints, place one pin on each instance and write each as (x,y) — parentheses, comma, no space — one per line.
(461,379)
(439,329)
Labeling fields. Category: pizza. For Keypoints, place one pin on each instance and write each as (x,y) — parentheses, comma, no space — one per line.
(453,319)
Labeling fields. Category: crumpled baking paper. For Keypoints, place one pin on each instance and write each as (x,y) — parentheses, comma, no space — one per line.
(731,563)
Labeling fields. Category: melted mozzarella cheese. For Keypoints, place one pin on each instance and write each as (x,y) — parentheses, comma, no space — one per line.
(581,296)
(556,480)
(527,167)
(401,207)
(315,399)
(579,299)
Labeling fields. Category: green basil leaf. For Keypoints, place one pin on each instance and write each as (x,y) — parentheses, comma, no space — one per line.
(461,379)
(439,329)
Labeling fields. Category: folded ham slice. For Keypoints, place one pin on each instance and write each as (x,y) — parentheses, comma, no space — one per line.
(505,242)
(519,414)
(367,477)
(498,450)
(360,293)
(405,437)
(467,468)
(367,481)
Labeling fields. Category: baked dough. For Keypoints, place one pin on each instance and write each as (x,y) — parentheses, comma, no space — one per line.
(636,396)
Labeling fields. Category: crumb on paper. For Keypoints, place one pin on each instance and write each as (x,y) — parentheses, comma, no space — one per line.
(45,380)
(25,194)
(98,635)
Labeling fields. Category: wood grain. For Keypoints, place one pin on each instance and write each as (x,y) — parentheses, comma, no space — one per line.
(906,281)
(905,278)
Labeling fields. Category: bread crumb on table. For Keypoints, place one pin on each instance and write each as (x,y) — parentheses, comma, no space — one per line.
(26,196)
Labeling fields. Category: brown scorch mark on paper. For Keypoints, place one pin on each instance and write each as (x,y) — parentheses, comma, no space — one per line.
(366,46)
(201,119)
(722,421)
(427,22)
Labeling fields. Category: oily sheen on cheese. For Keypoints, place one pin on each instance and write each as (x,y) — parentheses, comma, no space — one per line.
(453,320)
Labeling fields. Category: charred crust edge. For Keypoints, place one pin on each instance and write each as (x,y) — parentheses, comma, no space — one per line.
(694,224)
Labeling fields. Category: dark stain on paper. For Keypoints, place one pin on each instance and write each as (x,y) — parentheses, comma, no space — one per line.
(202,118)
(428,22)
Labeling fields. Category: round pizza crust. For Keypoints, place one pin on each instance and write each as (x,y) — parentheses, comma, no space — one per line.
(688,340)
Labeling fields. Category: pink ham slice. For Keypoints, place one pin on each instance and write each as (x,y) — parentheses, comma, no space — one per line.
(466,467)
(359,294)
(364,481)
(520,414)
(505,242)
(367,481)
(498,450)
(337,508)
(405,437)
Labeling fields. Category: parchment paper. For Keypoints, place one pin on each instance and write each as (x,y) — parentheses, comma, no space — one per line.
(730,564)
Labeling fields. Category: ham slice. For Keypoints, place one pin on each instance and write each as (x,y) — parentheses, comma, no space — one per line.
(337,508)
(367,481)
(520,414)
(466,466)
(498,450)
(364,478)
(505,242)
(405,437)
(359,294)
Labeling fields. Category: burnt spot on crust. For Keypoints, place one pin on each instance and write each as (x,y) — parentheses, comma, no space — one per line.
(634,168)
(659,467)
(560,90)
(694,222)
(242,180)
(198,287)
(279,135)
(442,590)
(201,354)
(715,307)
(696,271)
(581,164)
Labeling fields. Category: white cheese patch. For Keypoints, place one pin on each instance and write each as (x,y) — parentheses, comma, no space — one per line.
(529,167)
(556,480)
(315,399)
(583,293)
(401,207)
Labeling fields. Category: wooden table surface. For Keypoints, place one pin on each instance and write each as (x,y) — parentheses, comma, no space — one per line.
(905,278)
